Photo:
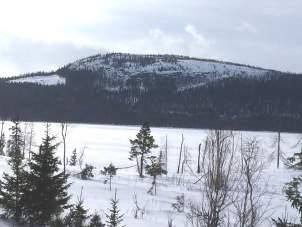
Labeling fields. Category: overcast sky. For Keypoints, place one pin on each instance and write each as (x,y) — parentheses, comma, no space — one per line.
(46,34)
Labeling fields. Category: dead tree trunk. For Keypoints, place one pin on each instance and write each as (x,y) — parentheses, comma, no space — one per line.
(278,149)
(64,127)
(180,153)
(198,159)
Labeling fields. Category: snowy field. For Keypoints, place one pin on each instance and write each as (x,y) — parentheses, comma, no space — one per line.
(104,144)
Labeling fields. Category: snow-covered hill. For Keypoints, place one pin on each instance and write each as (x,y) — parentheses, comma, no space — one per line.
(185,72)
(120,70)
(130,65)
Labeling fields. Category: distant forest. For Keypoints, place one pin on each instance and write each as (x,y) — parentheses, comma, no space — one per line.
(270,103)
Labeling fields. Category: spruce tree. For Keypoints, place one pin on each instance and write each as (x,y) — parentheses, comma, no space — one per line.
(73,158)
(114,218)
(12,185)
(96,221)
(87,172)
(15,142)
(46,195)
(78,215)
(141,147)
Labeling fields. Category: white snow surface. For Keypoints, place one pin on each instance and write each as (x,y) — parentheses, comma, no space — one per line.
(104,144)
(49,80)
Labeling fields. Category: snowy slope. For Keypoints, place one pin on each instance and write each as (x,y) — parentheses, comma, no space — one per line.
(131,65)
(49,80)
(104,144)
(187,72)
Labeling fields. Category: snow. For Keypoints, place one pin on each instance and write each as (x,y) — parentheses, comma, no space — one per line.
(49,80)
(106,143)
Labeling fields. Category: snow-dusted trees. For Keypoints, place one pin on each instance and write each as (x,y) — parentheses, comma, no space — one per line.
(46,192)
(217,182)
(141,146)
(12,185)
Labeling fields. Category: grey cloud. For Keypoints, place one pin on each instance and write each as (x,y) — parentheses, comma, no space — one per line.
(262,33)
(29,56)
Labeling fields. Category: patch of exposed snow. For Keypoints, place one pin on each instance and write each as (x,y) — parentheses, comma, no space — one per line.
(50,80)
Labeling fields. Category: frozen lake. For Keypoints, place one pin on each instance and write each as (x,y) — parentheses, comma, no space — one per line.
(110,143)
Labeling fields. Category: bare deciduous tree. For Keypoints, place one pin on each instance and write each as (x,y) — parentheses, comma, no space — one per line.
(249,204)
(216,184)
(30,139)
(277,140)
(81,157)
(138,211)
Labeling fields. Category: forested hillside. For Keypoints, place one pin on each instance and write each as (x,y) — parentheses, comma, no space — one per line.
(166,90)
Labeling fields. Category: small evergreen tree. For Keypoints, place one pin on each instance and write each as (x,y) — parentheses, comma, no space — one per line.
(12,186)
(141,147)
(46,194)
(114,218)
(154,169)
(96,221)
(73,158)
(87,173)
(15,142)
(109,171)
(78,215)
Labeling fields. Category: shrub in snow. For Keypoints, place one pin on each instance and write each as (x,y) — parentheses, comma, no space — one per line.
(87,173)
(179,205)
(95,221)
